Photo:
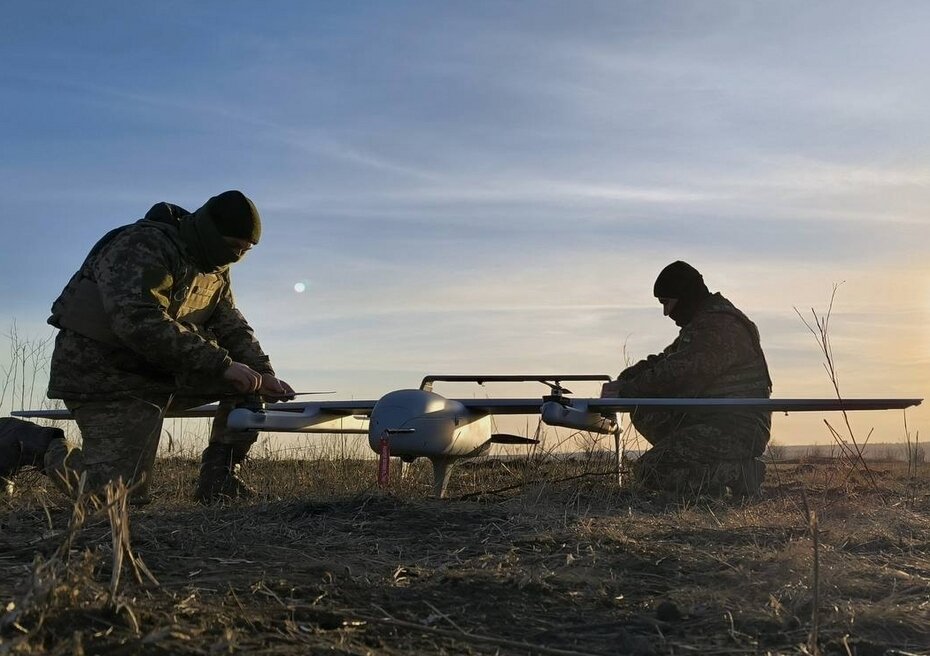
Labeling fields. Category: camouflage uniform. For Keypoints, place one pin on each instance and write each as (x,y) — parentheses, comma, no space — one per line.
(717,354)
(140,323)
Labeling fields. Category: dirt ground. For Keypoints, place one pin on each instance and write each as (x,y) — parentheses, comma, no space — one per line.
(563,562)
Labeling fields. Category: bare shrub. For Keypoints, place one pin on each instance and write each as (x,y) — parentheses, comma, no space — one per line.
(27,369)
(850,447)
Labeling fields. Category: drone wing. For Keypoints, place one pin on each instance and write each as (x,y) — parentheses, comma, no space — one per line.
(597,415)
(532,406)
(343,417)
(300,416)
(64,414)
(772,405)
(352,416)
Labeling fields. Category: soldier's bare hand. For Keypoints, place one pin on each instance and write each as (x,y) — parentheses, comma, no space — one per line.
(276,388)
(243,378)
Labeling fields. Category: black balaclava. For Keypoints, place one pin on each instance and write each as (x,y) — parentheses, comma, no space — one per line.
(229,214)
(681,281)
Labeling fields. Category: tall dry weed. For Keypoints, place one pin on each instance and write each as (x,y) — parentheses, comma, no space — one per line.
(851,448)
(70,578)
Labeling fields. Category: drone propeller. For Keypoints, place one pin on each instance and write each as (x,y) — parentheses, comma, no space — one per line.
(556,387)
(239,395)
(280,396)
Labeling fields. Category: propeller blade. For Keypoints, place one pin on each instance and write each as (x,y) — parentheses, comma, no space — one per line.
(290,396)
(507,438)
(240,395)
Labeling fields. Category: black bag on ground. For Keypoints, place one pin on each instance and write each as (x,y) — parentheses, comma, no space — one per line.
(23,443)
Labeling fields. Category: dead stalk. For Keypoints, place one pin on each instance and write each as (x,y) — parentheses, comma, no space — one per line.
(820,329)
(813,637)
(117,495)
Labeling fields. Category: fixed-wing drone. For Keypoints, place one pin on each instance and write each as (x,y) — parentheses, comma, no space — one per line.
(413,423)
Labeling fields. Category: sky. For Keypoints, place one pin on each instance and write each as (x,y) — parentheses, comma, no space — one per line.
(492,187)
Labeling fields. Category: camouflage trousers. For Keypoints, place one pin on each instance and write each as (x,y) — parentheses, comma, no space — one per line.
(710,452)
(120,440)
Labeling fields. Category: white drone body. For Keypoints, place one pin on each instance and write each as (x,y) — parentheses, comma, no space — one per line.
(421,423)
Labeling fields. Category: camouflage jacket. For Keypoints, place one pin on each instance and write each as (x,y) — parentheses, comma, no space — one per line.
(140,317)
(718,354)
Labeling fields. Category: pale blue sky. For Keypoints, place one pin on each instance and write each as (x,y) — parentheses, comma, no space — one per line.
(493,186)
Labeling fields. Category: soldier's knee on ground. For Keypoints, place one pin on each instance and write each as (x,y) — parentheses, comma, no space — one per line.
(130,466)
(737,478)
(744,477)
(120,441)
(663,469)
(64,465)
(679,478)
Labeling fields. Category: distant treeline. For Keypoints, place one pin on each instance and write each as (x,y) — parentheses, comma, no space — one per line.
(887,451)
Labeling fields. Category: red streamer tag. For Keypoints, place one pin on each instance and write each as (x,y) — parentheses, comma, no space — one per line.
(384,461)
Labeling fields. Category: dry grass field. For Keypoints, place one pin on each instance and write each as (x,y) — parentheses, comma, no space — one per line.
(542,556)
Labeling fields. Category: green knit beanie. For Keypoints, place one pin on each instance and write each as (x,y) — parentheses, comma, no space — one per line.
(234,215)
(229,214)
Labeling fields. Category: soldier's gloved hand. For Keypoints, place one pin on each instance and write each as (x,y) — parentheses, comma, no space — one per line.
(243,378)
(609,390)
(633,370)
(276,389)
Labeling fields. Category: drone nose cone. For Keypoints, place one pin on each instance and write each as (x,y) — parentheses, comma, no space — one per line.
(440,426)
(399,410)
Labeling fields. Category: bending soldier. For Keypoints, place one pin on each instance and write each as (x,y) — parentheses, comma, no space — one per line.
(717,354)
(148,323)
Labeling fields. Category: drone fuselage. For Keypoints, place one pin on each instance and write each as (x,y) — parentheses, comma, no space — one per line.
(439,427)
(419,423)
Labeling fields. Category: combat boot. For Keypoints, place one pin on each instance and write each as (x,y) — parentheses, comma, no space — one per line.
(219,474)
(749,481)
(735,478)
(23,444)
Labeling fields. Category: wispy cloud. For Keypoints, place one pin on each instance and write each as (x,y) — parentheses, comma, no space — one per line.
(497,188)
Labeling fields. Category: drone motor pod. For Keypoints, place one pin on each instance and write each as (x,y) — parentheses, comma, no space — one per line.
(560,413)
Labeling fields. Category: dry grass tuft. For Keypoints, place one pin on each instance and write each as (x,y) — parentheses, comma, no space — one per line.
(563,562)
